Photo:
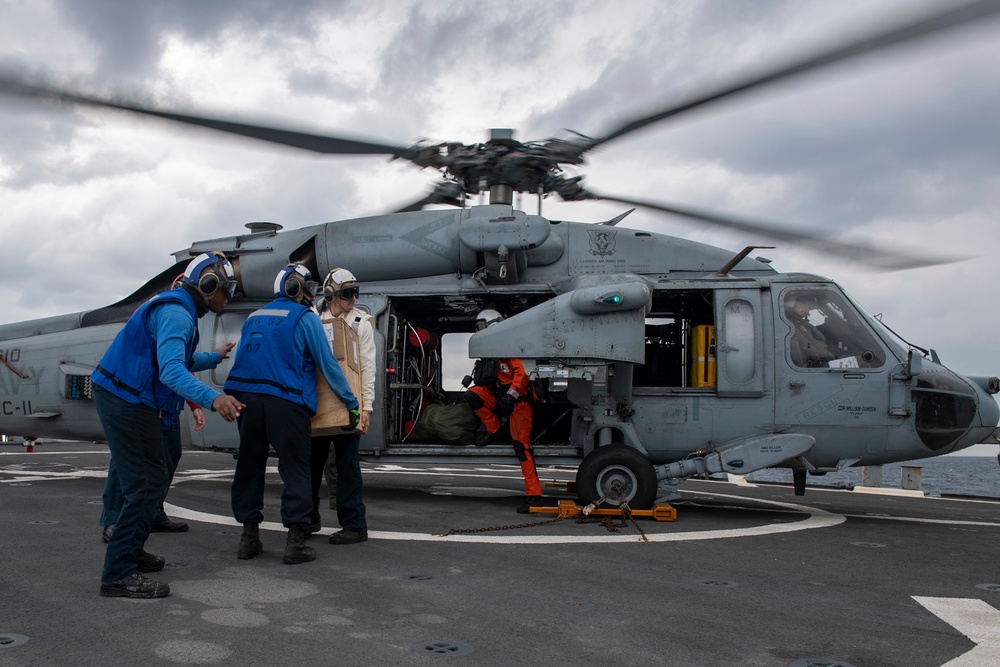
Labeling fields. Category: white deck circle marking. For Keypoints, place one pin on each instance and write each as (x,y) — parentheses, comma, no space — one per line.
(817,519)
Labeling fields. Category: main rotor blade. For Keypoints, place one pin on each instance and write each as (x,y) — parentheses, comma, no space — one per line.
(304,140)
(445,192)
(415,206)
(925,26)
(882,258)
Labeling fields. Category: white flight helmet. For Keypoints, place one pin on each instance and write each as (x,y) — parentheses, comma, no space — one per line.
(340,283)
(487,318)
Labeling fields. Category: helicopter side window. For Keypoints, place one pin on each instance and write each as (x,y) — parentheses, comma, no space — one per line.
(740,349)
(827,333)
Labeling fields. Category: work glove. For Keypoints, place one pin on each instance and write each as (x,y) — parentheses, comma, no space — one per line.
(355,417)
(507,406)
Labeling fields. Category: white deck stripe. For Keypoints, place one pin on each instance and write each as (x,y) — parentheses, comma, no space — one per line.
(976,620)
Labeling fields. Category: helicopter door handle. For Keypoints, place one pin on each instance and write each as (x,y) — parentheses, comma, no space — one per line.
(394,328)
(796,385)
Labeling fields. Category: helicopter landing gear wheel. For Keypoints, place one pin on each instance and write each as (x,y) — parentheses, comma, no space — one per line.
(616,473)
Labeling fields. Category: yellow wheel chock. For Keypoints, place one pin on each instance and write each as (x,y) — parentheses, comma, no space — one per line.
(567,508)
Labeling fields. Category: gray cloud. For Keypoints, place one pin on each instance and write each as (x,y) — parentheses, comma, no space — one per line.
(130,35)
(906,137)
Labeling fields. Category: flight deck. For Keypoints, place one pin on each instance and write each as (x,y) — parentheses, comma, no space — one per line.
(743,575)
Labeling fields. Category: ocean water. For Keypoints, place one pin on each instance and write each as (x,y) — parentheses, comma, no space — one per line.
(940,476)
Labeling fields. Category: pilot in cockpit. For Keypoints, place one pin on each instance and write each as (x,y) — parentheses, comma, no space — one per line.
(809,346)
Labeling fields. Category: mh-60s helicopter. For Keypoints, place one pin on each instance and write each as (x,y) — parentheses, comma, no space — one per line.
(658,358)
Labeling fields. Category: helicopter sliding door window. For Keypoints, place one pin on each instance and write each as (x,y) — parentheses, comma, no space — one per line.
(826,331)
(738,355)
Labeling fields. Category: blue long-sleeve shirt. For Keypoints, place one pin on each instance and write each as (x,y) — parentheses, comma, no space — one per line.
(171,325)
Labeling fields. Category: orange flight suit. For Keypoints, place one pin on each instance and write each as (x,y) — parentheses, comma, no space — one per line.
(511,375)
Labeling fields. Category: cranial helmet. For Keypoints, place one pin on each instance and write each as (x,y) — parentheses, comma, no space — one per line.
(487,318)
(208,272)
(335,282)
(295,282)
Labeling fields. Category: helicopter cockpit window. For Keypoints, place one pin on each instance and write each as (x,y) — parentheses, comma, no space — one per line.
(828,333)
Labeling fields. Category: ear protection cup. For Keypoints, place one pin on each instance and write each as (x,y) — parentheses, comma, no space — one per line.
(209,283)
(295,282)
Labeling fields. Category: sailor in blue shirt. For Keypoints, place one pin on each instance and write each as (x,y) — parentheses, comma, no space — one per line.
(274,374)
(142,379)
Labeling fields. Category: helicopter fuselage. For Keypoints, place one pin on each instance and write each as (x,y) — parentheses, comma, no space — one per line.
(633,340)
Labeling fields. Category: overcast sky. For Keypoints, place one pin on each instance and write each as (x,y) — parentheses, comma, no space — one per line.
(901,147)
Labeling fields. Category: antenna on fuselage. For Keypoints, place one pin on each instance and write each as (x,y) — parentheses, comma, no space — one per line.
(724,271)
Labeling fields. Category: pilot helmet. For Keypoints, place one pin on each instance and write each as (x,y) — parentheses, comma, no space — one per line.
(340,283)
(487,318)
(799,304)
(295,282)
(208,272)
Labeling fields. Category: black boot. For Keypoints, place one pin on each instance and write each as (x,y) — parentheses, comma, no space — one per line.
(150,562)
(497,437)
(296,550)
(529,502)
(250,544)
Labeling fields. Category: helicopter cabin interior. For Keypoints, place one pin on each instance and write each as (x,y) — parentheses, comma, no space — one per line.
(425,342)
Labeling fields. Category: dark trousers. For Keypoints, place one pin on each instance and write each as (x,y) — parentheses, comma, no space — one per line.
(350,500)
(269,421)
(112,486)
(136,443)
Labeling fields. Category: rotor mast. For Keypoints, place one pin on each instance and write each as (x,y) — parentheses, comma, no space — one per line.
(501,192)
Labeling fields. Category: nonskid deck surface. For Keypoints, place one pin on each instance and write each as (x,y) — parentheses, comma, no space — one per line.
(749,575)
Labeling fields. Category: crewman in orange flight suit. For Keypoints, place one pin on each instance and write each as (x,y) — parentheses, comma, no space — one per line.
(506,394)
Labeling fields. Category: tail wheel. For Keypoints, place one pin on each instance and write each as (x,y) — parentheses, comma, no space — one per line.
(617,473)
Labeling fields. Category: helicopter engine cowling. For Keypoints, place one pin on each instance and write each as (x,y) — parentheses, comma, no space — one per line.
(398,246)
(491,228)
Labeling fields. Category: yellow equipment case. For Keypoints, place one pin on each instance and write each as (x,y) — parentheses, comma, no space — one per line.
(703,356)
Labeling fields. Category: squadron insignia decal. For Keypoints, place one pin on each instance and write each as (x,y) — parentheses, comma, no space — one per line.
(602,242)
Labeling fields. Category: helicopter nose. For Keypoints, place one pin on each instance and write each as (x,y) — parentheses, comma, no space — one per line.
(953,412)
(989,411)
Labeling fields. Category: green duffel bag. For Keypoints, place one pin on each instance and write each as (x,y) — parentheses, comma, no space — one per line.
(447,424)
